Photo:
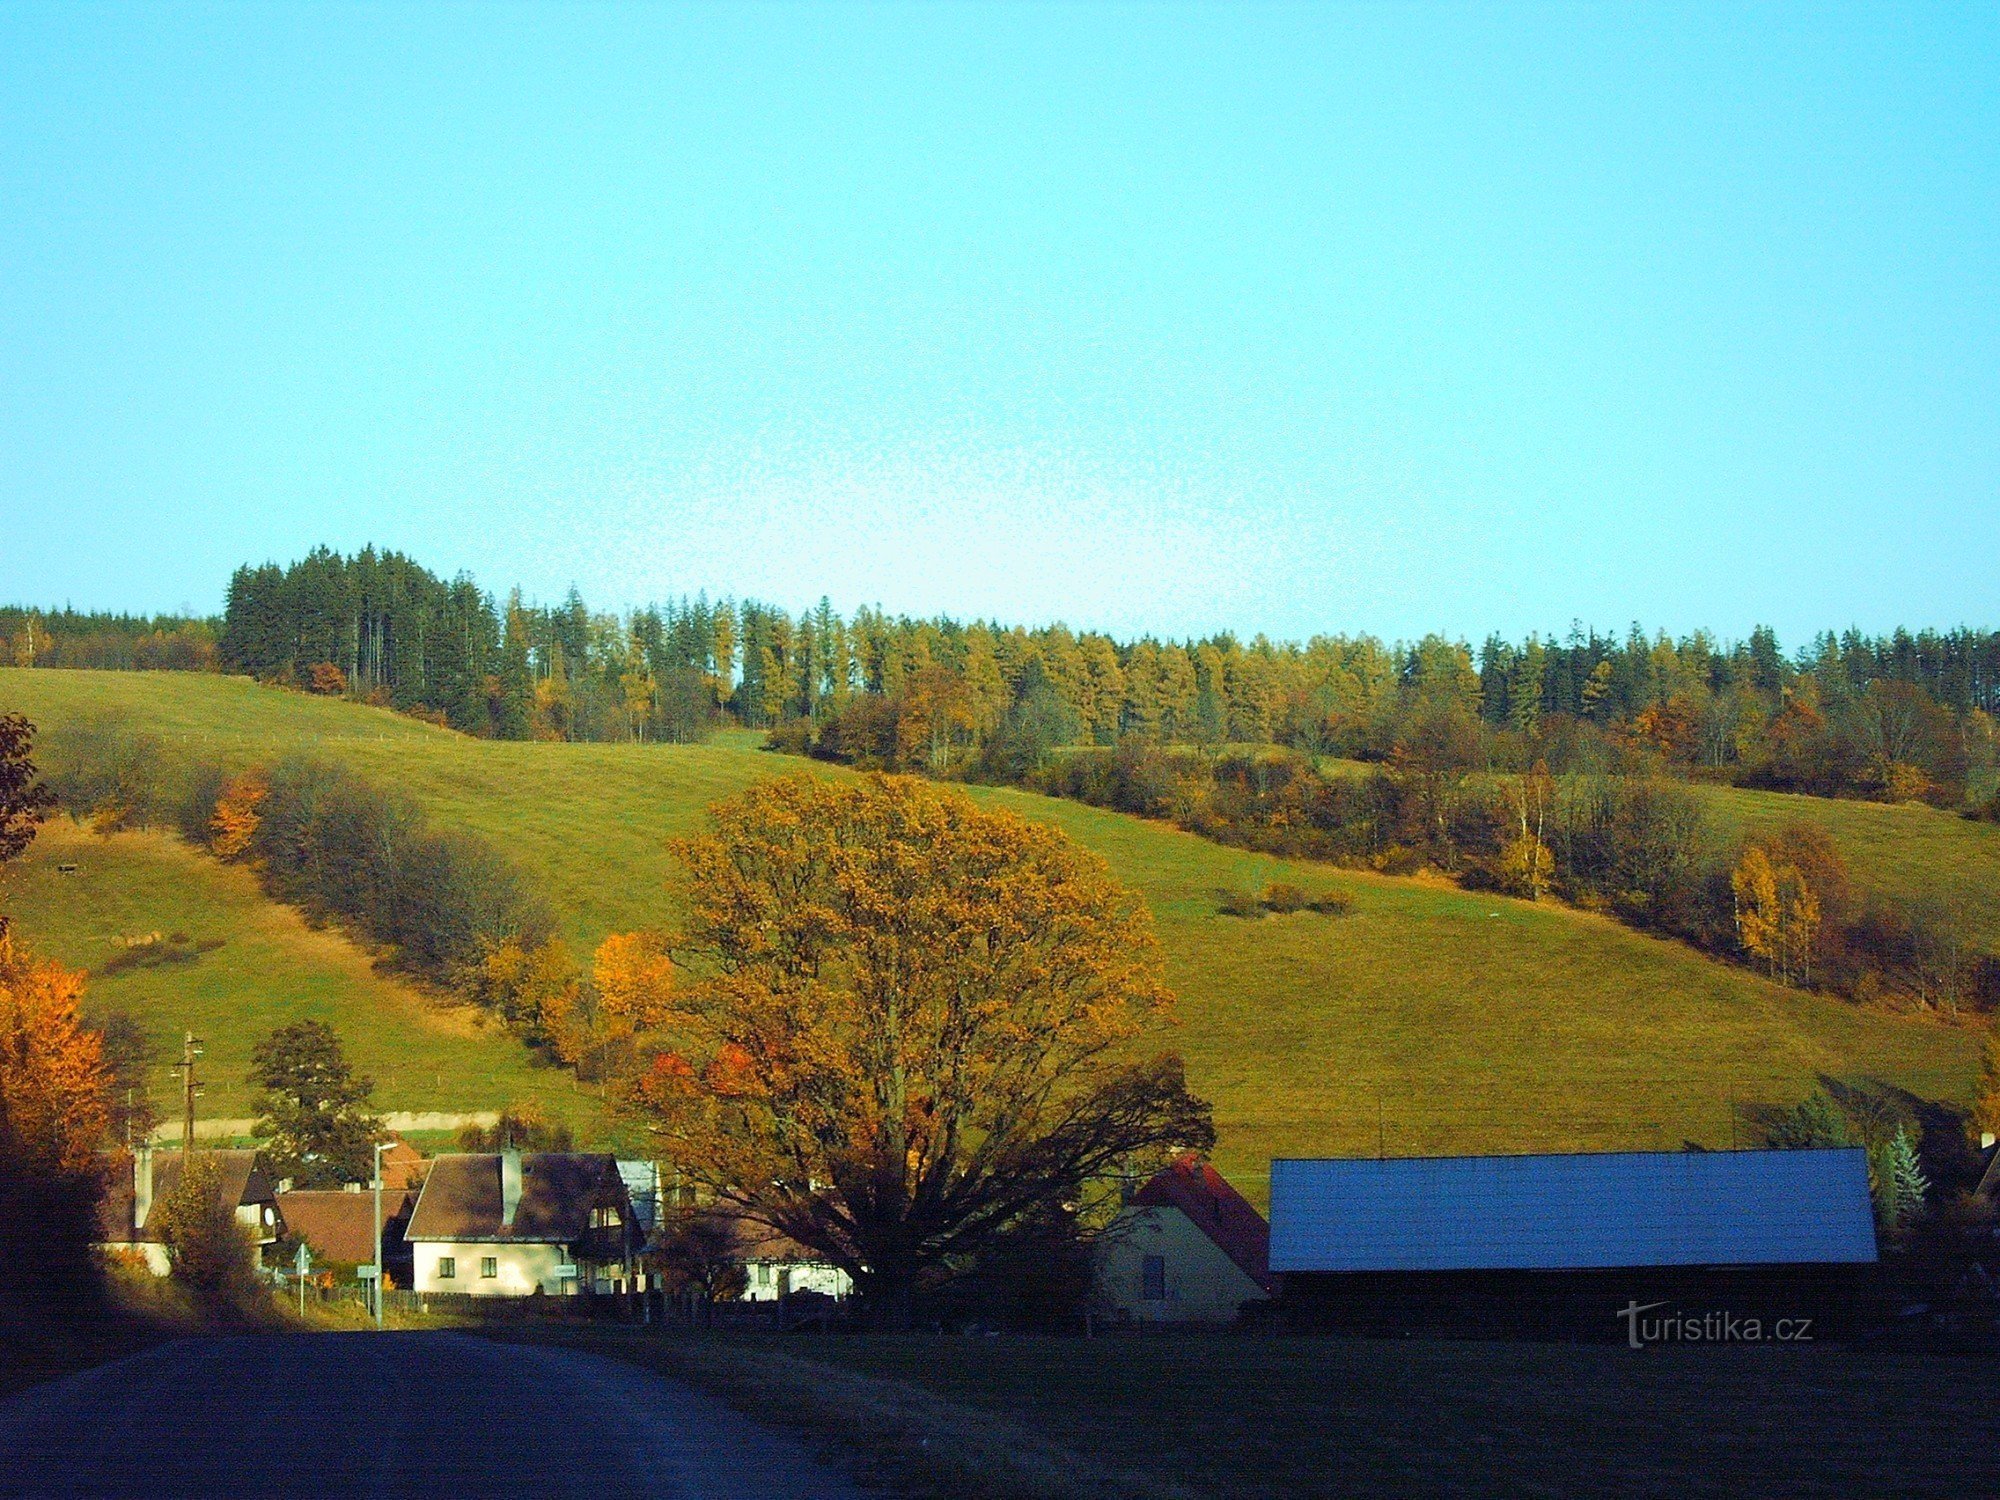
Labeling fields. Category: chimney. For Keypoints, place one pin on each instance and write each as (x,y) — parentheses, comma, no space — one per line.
(510,1185)
(142,1186)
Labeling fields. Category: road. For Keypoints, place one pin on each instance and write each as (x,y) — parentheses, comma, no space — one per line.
(430,1415)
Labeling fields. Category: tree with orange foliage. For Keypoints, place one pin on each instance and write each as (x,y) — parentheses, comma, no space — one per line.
(909,1025)
(51,1124)
(236,814)
(327,678)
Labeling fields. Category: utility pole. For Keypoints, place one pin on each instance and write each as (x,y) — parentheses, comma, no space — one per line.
(191,1049)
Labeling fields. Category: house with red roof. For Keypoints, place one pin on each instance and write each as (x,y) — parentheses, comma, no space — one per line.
(1186,1248)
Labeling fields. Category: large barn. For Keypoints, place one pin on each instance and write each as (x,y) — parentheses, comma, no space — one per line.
(1560,1244)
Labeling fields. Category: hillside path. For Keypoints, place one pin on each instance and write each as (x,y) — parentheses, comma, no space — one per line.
(334,1415)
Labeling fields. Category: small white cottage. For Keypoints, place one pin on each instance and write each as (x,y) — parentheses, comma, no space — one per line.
(1186,1248)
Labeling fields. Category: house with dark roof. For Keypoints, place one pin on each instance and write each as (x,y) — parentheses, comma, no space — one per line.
(339,1227)
(517,1223)
(145,1177)
(1186,1248)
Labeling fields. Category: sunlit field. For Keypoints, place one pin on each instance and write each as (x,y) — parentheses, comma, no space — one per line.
(1426,1020)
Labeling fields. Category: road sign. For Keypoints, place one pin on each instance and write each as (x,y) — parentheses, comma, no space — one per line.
(367,1273)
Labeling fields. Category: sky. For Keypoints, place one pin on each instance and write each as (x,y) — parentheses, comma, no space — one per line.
(1166,319)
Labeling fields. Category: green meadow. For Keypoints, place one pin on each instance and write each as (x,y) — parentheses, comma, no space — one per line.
(250,965)
(1426,1020)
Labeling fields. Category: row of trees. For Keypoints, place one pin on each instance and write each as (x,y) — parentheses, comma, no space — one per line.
(319,836)
(112,642)
(1643,849)
(1896,716)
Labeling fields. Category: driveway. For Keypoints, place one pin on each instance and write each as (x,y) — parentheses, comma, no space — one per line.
(430,1415)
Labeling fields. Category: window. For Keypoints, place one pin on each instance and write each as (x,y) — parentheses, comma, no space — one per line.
(1153,1278)
(763,1273)
(489,1266)
(447,1267)
(604,1218)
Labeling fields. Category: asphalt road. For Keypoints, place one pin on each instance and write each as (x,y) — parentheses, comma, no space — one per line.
(434,1415)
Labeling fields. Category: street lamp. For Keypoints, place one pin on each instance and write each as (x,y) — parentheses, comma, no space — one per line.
(378,1233)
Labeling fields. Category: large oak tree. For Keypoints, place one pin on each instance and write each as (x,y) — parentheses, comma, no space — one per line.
(908,1024)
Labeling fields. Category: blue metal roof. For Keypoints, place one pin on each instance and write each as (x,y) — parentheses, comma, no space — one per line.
(1656,1208)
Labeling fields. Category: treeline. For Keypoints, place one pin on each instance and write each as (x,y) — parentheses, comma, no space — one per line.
(122,643)
(1896,716)
(1642,849)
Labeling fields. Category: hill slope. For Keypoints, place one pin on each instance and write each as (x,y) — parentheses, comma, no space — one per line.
(1428,1020)
(251,966)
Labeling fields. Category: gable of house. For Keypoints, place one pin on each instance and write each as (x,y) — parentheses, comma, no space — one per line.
(1216,1209)
(243,1184)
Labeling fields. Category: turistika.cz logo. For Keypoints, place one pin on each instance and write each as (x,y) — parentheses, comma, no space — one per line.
(1673,1327)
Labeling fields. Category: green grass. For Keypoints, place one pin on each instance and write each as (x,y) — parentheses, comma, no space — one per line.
(269,968)
(1428,1020)
(1904,851)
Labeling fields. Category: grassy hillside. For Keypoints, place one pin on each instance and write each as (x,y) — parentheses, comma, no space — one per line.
(1907,850)
(262,967)
(1428,1020)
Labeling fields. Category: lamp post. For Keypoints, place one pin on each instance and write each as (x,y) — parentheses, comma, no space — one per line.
(378,1234)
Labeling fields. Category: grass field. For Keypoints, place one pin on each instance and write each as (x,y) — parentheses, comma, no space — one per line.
(1242,1417)
(1428,1020)
(1907,850)
(268,968)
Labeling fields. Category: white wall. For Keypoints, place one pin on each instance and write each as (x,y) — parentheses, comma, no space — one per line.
(521,1269)
(1203,1285)
(771,1279)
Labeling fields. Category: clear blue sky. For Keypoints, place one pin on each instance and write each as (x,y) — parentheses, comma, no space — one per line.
(1388,318)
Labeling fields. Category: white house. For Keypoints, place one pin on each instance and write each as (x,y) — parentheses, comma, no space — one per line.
(125,1214)
(775,1266)
(1186,1248)
(512,1224)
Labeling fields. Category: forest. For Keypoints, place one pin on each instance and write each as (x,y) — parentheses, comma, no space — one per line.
(1896,717)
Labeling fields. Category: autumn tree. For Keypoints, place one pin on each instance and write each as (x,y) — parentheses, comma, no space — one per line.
(1527,866)
(237,814)
(908,1025)
(51,1124)
(313,1111)
(1777,914)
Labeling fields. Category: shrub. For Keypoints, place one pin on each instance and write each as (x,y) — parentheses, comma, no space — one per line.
(209,1252)
(1331,903)
(1234,903)
(1284,898)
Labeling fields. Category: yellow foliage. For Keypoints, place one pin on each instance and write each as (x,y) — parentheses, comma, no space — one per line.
(634,978)
(236,814)
(909,1013)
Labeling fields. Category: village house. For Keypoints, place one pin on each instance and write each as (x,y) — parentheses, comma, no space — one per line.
(514,1224)
(339,1227)
(138,1182)
(776,1266)
(1186,1248)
